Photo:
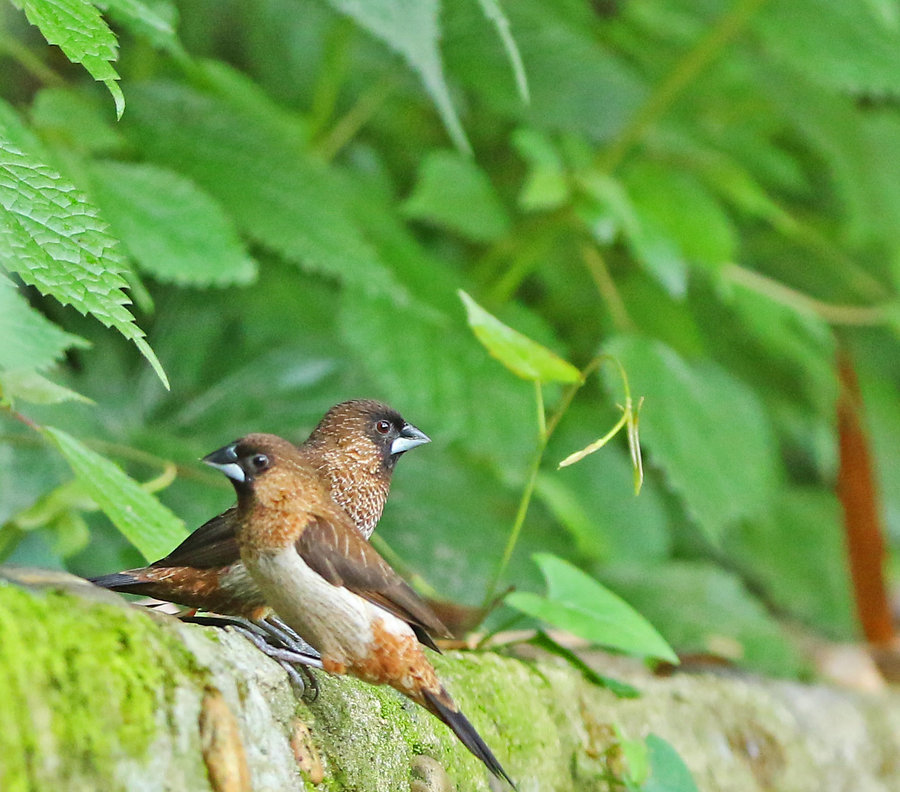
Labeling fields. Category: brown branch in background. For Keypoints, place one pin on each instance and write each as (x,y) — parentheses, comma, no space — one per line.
(862,523)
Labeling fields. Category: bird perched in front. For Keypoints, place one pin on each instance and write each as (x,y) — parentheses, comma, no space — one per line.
(330,585)
(353,451)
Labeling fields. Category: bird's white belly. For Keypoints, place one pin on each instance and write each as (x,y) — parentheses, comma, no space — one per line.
(334,620)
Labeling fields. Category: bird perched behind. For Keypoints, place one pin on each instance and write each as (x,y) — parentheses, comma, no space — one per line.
(330,585)
(353,451)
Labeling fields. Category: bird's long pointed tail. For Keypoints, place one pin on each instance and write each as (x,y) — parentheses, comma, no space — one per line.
(118,581)
(442,706)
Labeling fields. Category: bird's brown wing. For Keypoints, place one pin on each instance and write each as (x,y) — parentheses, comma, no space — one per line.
(213,544)
(338,552)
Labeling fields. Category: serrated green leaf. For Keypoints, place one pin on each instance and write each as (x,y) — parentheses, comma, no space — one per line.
(668,772)
(250,164)
(31,387)
(174,230)
(52,237)
(143,520)
(845,46)
(410,28)
(28,340)
(521,355)
(77,28)
(452,191)
(579,604)
(706,429)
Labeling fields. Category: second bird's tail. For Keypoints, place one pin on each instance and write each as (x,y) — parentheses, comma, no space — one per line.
(442,706)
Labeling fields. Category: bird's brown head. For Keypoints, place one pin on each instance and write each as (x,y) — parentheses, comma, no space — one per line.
(257,462)
(365,434)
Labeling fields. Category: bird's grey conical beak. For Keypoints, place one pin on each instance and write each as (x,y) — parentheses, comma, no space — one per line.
(409,437)
(226,460)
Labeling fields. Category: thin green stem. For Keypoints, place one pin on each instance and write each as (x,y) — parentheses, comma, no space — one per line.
(525,501)
(541,415)
(522,511)
(667,92)
(29,61)
(355,119)
(803,303)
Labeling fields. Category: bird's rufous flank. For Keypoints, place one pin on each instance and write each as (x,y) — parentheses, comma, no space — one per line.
(329,584)
(353,451)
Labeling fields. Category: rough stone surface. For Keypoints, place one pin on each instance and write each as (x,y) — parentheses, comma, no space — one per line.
(95,696)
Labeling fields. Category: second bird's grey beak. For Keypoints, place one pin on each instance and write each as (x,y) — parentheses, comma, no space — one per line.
(409,437)
(226,460)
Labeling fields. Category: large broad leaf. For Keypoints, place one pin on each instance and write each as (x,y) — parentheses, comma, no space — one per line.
(52,237)
(77,28)
(452,191)
(524,357)
(576,84)
(277,193)
(797,552)
(144,521)
(174,230)
(410,27)
(28,341)
(701,608)
(706,429)
(579,604)
(676,208)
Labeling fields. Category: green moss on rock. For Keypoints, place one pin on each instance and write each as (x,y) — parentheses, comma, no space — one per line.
(80,685)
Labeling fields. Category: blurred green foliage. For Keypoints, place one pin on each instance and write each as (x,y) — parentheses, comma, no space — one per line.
(297,190)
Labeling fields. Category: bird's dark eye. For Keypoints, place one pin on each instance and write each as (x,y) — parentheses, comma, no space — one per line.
(259,462)
(383,427)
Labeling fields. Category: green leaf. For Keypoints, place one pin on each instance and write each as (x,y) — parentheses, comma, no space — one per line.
(677,207)
(706,429)
(452,191)
(701,608)
(174,230)
(845,46)
(494,13)
(74,119)
(31,387)
(576,82)
(668,772)
(609,211)
(546,185)
(521,355)
(579,604)
(797,551)
(593,500)
(248,161)
(410,28)
(77,28)
(28,340)
(52,237)
(143,520)
(637,758)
